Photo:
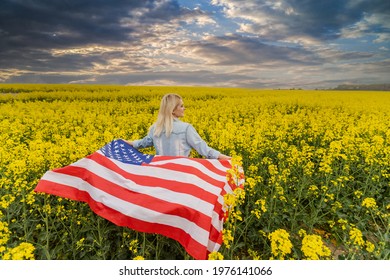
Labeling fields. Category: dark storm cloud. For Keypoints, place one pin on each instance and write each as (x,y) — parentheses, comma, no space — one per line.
(56,23)
(30,29)
(61,23)
(322,19)
(325,19)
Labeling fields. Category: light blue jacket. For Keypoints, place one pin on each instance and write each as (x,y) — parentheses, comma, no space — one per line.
(183,138)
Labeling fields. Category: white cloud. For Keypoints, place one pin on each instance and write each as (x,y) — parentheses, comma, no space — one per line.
(375,25)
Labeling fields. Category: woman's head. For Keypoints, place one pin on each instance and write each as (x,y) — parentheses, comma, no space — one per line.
(171,107)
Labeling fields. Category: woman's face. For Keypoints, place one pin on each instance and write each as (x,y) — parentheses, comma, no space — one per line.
(179,110)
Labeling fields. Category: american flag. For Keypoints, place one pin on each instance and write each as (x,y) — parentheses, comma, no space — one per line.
(178,197)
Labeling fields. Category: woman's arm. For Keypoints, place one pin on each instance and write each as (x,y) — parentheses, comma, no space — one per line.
(196,142)
(145,142)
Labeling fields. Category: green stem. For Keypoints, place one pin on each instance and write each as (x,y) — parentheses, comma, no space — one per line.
(101,252)
(46,219)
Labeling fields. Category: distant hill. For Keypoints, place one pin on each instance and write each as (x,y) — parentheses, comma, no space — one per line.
(385,87)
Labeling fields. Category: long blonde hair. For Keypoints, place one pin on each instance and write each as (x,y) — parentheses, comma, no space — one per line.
(169,102)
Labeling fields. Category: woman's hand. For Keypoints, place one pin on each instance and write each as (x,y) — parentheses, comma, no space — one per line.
(223,157)
(128,142)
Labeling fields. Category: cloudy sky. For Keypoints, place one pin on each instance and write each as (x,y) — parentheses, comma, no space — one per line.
(224,43)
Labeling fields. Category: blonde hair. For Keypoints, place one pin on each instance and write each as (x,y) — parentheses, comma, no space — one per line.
(169,102)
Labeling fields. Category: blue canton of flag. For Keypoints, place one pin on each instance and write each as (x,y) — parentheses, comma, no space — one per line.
(124,152)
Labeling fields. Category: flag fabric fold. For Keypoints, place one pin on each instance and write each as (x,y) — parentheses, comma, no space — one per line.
(178,197)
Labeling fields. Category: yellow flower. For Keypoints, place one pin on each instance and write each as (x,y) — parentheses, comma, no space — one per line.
(240,194)
(25,251)
(262,205)
(336,205)
(282,198)
(370,247)
(280,243)
(250,184)
(236,215)
(313,247)
(262,233)
(235,176)
(233,199)
(4,235)
(302,232)
(6,200)
(138,258)
(80,243)
(227,237)
(133,246)
(369,202)
(229,200)
(343,223)
(253,254)
(357,237)
(252,169)
(330,196)
(257,213)
(215,256)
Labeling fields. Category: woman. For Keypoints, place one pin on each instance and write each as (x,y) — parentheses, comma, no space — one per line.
(172,137)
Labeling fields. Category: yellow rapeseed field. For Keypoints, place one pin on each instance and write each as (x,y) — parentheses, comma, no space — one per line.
(317,167)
